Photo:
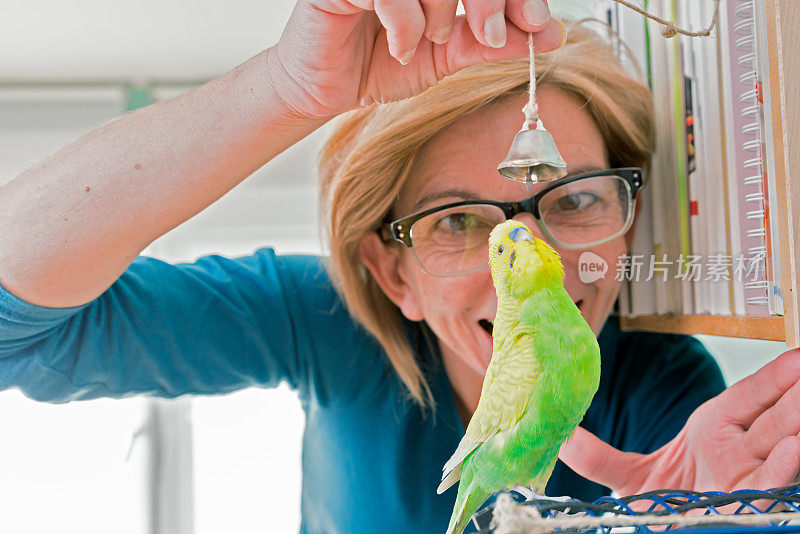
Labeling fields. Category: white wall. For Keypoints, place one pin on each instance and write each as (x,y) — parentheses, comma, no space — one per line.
(70,39)
(739,358)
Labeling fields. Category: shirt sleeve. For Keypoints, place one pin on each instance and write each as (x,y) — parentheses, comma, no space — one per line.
(668,382)
(208,327)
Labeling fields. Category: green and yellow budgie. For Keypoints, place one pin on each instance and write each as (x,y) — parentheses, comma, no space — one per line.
(544,371)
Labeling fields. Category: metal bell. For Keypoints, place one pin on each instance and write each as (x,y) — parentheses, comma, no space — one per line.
(533,157)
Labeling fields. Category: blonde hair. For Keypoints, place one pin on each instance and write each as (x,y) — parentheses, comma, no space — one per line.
(366,161)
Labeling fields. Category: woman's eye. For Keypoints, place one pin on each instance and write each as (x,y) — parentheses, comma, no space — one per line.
(457,222)
(575,201)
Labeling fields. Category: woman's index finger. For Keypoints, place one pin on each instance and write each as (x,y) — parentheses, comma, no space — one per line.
(463,50)
(780,420)
(752,395)
(528,15)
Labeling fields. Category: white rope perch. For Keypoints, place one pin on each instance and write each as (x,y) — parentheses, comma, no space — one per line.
(670,29)
(509,517)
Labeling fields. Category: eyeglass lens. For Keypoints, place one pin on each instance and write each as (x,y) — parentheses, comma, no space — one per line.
(583,212)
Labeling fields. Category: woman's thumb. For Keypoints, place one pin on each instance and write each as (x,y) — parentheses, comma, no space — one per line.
(592,458)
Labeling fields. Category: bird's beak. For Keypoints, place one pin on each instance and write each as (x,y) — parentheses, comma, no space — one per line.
(520,233)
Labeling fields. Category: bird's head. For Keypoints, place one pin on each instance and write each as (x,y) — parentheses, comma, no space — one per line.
(520,262)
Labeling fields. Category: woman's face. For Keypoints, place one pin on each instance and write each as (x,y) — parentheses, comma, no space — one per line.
(464,157)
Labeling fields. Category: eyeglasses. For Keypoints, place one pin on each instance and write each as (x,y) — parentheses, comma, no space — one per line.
(577,212)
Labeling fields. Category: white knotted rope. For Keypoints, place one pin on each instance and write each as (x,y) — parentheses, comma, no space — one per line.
(511,518)
(531,109)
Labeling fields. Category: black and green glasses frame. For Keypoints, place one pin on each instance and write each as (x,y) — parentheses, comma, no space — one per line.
(633,176)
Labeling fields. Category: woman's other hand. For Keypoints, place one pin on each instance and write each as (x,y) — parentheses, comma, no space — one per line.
(335,55)
(745,438)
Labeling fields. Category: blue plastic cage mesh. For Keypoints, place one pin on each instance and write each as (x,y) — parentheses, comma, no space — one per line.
(664,503)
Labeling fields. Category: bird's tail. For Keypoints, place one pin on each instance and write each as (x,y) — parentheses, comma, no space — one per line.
(467,503)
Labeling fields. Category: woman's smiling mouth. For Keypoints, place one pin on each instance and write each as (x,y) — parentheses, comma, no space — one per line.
(488,326)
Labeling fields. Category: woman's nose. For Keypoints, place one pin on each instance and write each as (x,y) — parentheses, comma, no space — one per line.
(530,221)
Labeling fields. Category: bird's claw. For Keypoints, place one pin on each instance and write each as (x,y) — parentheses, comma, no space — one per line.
(531,495)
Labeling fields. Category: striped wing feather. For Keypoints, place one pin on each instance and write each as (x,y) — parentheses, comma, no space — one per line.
(510,377)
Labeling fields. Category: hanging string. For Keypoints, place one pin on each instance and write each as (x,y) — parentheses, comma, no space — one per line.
(670,30)
(531,109)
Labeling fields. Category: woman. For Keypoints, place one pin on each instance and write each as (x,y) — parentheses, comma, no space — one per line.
(82,317)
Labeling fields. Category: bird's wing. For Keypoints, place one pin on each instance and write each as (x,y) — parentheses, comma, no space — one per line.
(506,389)
(504,398)
(451,473)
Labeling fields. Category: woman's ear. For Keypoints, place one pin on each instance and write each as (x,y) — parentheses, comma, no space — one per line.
(383,262)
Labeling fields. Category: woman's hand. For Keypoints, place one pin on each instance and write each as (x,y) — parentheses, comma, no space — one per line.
(335,55)
(745,438)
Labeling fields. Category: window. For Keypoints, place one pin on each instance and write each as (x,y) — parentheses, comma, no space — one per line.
(65,468)
(147,466)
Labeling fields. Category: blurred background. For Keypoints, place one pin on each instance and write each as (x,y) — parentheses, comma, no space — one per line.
(193,465)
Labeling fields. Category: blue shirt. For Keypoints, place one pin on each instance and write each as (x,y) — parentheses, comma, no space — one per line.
(372,458)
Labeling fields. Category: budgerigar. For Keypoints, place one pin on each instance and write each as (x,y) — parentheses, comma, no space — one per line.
(544,372)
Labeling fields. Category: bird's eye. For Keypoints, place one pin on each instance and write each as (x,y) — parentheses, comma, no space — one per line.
(500,249)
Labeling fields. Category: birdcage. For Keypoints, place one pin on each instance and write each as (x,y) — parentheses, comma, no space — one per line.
(739,512)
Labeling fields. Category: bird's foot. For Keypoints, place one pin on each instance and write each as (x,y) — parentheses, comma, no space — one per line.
(525,491)
(530,495)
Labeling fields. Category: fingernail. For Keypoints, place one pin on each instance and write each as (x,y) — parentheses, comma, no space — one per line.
(536,12)
(404,59)
(494,30)
(441,35)
(564,33)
